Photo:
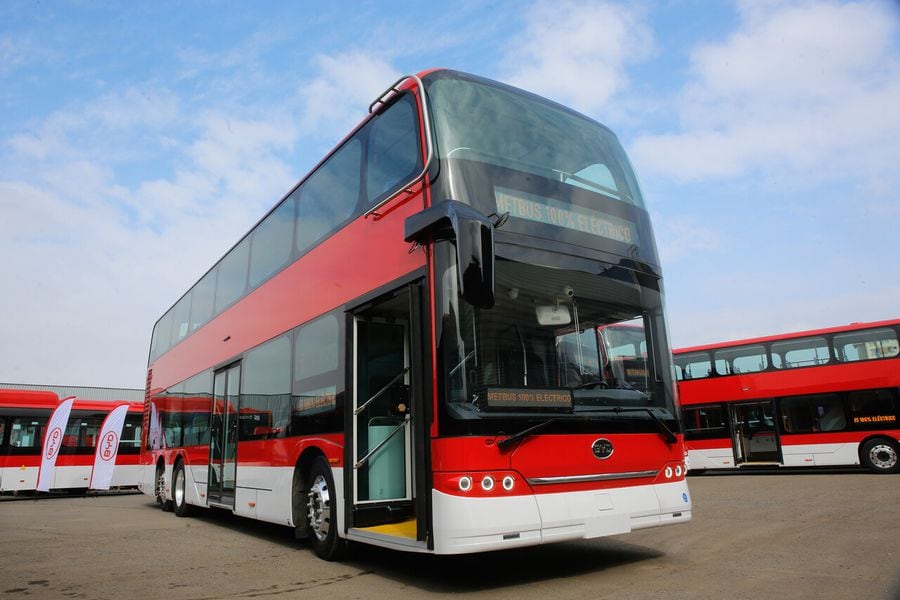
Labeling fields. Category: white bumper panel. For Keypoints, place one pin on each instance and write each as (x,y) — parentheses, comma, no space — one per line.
(479,524)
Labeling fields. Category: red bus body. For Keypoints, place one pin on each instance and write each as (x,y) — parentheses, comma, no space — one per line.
(835,404)
(362,443)
(23,419)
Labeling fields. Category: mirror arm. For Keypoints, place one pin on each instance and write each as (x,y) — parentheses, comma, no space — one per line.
(473,234)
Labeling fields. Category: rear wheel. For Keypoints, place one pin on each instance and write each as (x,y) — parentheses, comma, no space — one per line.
(179,487)
(321,513)
(160,486)
(881,455)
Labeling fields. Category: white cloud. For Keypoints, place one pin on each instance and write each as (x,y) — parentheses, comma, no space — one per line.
(338,98)
(577,52)
(805,89)
(680,236)
(107,128)
(779,307)
(94,260)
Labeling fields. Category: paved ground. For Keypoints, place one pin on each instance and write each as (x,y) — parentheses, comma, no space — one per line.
(798,535)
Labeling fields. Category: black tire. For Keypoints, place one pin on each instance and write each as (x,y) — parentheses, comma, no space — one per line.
(881,455)
(159,489)
(179,490)
(321,513)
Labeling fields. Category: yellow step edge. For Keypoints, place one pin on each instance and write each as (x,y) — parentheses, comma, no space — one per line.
(406,529)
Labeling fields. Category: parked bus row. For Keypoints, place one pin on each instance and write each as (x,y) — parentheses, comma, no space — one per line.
(402,352)
(24,415)
(827,397)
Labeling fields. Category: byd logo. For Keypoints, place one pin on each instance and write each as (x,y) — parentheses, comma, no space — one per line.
(54,439)
(108,446)
(602,448)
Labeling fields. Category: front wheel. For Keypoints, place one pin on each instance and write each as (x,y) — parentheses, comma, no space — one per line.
(321,513)
(881,456)
(179,486)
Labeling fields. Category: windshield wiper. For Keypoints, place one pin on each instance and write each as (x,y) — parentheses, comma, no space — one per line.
(517,437)
(509,441)
(462,362)
(664,430)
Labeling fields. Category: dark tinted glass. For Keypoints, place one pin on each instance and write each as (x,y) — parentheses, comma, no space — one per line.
(329,196)
(272,243)
(266,391)
(232,280)
(393,156)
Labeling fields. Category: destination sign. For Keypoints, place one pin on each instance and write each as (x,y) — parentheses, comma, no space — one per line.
(875,419)
(528,398)
(561,214)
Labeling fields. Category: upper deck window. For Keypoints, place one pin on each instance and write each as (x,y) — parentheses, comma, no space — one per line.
(393,155)
(743,359)
(329,195)
(866,344)
(693,366)
(801,352)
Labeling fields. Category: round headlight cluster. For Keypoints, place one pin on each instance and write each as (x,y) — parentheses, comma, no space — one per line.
(677,471)
(488,483)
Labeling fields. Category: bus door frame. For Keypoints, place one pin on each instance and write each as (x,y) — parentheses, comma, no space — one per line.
(223,442)
(364,516)
(743,455)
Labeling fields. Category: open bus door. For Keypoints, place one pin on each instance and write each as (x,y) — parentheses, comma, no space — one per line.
(386,477)
(754,434)
(223,436)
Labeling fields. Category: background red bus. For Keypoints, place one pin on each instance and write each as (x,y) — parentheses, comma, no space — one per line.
(23,419)
(824,397)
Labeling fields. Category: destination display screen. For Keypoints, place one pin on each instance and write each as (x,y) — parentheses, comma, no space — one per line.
(560,214)
(517,398)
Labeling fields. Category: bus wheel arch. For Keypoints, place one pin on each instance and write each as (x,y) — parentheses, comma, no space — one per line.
(880,455)
(299,490)
(159,484)
(179,489)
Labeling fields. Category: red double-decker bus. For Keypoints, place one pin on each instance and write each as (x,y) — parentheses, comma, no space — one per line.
(24,415)
(403,351)
(825,397)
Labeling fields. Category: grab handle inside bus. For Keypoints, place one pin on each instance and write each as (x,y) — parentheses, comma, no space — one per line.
(473,234)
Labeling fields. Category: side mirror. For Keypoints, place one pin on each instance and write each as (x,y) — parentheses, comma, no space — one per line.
(473,234)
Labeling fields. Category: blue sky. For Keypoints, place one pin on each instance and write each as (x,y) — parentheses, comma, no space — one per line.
(139,141)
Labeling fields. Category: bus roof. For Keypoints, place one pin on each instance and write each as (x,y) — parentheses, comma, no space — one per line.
(44,399)
(788,336)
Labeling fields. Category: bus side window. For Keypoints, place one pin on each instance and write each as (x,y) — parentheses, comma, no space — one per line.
(393,157)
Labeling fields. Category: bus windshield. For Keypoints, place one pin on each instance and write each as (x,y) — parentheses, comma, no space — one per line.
(490,124)
(556,341)
(560,175)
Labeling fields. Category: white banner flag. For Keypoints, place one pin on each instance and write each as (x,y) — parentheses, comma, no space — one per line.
(53,439)
(108,448)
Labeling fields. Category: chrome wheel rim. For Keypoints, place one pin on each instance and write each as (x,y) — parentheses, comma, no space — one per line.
(179,487)
(318,508)
(883,456)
